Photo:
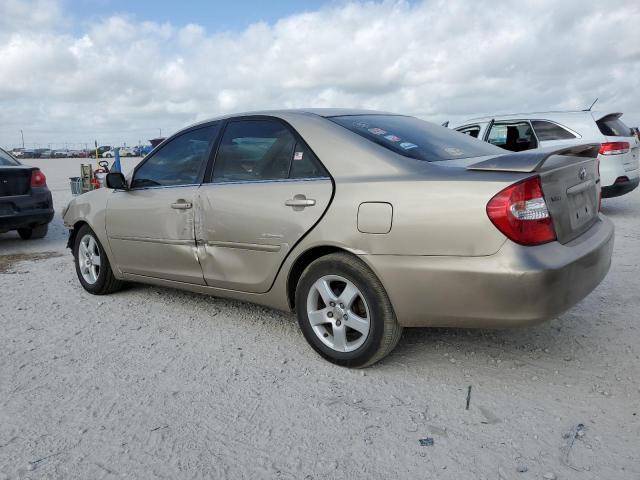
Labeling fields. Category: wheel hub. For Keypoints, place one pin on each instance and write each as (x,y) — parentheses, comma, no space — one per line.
(338,313)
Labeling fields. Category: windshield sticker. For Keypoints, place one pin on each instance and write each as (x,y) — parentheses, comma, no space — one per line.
(408,145)
(454,152)
(392,138)
(298,155)
(377,131)
(361,124)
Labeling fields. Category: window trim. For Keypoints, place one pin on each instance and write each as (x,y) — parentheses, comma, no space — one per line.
(166,141)
(208,179)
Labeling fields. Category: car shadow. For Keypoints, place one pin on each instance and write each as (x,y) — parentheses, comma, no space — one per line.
(619,210)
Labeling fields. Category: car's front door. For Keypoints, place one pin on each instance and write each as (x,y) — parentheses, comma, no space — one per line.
(151,226)
(267,190)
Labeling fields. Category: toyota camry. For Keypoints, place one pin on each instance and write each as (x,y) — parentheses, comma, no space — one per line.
(360,222)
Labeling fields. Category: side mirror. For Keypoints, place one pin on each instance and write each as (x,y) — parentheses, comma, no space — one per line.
(116,181)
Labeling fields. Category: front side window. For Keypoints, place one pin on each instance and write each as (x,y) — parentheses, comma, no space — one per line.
(181,161)
(254,150)
(512,136)
(415,138)
(7,160)
(550,131)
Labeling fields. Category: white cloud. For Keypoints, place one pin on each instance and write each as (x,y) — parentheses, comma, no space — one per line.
(123,78)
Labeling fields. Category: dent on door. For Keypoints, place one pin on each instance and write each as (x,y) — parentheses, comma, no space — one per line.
(244,231)
(151,233)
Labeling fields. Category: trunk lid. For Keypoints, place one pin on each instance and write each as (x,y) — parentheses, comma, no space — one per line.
(15,180)
(569,179)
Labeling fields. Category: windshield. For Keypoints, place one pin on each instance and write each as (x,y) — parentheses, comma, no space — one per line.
(7,160)
(416,138)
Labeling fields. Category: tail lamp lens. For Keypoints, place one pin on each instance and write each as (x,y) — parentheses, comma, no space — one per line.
(38,179)
(520,213)
(614,148)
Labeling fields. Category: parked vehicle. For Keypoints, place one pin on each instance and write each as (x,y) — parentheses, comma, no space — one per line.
(25,200)
(362,222)
(619,152)
(124,152)
(102,150)
(42,153)
(62,154)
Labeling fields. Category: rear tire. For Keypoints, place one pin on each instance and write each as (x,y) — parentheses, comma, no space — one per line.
(92,265)
(344,311)
(33,233)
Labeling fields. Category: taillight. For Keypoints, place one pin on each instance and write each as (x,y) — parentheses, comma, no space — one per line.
(614,148)
(38,179)
(520,212)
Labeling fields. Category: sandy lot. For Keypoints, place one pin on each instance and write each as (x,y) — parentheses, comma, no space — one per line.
(157,383)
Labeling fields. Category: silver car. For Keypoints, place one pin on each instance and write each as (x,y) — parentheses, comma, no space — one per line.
(361,222)
(619,153)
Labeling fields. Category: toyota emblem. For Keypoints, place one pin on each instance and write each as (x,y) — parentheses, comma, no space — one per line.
(582,174)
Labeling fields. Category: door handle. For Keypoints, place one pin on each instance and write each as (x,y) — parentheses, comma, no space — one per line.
(299,202)
(181,205)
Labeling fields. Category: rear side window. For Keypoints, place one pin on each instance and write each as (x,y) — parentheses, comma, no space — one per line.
(612,126)
(7,160)
(181,161)
(305,164)
(415,138)
(550,131)
(253,150)
(258,150)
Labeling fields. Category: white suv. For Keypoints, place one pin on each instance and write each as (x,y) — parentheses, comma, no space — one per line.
(619,151)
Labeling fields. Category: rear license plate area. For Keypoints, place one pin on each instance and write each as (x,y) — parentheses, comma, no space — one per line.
(582,209)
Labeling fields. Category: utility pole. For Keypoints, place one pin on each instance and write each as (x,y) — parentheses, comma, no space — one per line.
(22,135)
(160,132)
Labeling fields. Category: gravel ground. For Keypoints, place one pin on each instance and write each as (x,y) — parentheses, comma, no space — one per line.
(157,383)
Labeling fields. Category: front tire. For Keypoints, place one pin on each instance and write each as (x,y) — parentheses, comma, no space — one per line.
(92,265)
(344,311)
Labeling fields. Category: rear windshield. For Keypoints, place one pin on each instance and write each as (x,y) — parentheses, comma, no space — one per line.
(613,127)
(416,138)
(7,160)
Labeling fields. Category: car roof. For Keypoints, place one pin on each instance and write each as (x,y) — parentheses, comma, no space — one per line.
(322,112)
(548,115)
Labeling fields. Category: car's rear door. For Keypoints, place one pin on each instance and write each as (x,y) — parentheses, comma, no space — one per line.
(150,227)
(267,189)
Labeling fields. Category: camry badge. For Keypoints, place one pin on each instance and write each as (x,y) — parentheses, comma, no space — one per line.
(582,174)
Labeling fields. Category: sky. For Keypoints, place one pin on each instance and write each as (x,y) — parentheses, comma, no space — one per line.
(118,72)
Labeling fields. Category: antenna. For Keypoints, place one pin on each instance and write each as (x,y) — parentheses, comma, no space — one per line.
(589,109)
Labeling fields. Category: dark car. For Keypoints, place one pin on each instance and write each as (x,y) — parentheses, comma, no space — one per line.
(25,200)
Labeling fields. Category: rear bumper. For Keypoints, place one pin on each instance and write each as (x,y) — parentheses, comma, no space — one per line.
(26,211)
(516,286)
(621,188)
